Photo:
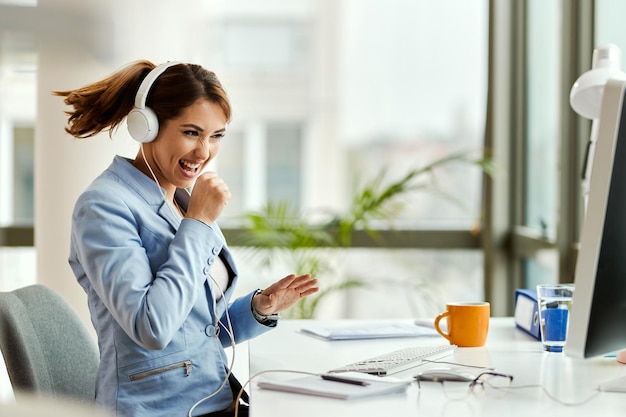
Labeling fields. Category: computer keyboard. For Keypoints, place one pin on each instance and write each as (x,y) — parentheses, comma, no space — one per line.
(399,360)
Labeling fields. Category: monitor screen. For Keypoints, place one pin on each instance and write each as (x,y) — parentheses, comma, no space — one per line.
(598,316)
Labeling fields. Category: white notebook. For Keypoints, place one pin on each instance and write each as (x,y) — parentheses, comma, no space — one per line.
(315,385)
(369,331)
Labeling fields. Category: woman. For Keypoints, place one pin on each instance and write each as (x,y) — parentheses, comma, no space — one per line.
(155,266)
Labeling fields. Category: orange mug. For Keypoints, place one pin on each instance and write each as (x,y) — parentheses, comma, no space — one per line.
(468,323)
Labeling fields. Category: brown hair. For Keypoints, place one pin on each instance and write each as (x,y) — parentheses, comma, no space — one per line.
(104,104)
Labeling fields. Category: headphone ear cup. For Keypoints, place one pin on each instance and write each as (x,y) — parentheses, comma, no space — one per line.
(143,124)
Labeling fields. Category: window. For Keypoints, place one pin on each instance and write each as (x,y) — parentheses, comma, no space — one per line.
(609,26)
(370,93)
(543,98)
(257,46)
(412,89)
(17,121)
(23,169)
(327,95)
(285,163)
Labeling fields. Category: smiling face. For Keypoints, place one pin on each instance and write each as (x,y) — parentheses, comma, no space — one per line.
(184,146)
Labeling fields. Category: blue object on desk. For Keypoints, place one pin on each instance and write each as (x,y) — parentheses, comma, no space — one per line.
(527,312)
(556,323)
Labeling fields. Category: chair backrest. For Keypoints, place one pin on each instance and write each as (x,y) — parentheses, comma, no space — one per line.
(45,345)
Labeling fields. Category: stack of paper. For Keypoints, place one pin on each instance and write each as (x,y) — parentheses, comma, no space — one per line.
(369,331)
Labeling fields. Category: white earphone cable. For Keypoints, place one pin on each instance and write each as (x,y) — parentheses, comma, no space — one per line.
(230,332)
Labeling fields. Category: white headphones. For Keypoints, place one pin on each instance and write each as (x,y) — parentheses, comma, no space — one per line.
(142,121)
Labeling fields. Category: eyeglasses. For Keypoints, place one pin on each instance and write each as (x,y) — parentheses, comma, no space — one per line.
(491,383)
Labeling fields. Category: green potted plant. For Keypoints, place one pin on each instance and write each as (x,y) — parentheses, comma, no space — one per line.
(279,233)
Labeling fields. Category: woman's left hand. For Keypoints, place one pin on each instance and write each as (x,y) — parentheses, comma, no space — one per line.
(284,293)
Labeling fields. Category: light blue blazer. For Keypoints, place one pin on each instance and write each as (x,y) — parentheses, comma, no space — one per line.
(146,275)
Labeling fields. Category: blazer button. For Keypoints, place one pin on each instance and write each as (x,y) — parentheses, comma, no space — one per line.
(209,330)
(206,270)
(211,261)
(216,251)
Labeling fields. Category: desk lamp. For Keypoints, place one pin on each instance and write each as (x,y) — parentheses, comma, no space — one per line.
(585,98)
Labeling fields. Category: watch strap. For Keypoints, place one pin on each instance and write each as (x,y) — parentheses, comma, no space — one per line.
(262,318)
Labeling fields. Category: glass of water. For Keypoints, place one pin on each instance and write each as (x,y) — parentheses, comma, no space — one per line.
(555,301)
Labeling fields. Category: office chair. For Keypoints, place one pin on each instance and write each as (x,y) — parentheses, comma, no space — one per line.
(46,348)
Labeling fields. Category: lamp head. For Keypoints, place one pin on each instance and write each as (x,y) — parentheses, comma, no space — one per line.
(586,94)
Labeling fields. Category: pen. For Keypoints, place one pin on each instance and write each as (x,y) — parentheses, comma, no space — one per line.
(344,380)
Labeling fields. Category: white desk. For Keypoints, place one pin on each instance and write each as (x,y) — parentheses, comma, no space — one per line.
(508,350)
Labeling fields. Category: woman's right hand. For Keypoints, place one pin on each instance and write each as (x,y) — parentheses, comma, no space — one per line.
(209,197)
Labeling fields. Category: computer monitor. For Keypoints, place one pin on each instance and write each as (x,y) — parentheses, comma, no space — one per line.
(598,317)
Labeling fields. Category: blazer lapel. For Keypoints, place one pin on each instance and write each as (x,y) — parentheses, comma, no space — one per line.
(169,214)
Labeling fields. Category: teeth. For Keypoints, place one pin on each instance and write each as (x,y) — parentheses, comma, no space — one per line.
(188,166)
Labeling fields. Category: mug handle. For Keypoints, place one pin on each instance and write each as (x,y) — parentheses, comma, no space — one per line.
(437,320)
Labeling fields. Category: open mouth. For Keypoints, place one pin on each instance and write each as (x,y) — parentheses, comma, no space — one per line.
(188,167)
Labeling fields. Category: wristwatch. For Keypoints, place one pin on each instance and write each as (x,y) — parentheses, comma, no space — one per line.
(261,318)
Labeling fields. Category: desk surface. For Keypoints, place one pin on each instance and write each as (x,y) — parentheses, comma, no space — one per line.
(508,350)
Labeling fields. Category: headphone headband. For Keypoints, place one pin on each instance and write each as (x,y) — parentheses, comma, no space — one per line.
(146,84)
